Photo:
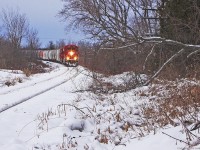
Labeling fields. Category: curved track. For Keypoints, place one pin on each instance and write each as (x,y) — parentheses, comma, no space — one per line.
(17,102)
(23,87)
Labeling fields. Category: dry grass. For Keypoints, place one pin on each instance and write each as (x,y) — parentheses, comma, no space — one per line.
(183,103)
(12,82)
(27,72)
(180,106)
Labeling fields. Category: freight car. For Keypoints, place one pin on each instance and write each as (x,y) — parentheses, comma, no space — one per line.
(68,55)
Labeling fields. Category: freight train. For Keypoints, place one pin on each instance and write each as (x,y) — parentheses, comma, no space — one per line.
(68,55)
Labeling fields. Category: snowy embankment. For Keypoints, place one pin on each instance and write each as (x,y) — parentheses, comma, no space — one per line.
(64,119)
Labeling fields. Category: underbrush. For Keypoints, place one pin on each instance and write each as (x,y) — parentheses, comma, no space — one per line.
(104,120)
(116,118)
(27,65)
(13,81)
(116,83)
(34,67)
(179,107)
(27,68)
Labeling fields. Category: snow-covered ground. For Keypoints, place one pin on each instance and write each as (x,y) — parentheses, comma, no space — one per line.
(62,118)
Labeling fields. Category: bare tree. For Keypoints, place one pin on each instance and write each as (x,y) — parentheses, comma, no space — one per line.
(61,43)
(51,45)
(182,23)
(107,20)
(15,25)
(32,39)
(4,53)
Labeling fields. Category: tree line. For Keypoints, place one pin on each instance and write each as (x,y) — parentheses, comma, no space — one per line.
(16,27)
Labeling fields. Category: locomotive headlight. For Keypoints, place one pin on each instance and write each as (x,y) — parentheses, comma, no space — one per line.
(68,58)
(75,58)
(71,53)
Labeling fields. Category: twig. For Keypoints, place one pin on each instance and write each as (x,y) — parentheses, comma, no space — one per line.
(176,138)
(76,107)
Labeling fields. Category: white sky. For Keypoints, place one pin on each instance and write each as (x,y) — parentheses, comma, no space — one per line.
(42,16)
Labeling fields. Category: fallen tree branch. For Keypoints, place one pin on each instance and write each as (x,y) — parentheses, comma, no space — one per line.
(161,68)
(151,52)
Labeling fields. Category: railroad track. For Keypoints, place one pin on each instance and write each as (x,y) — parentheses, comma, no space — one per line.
(9,106)
(16,89)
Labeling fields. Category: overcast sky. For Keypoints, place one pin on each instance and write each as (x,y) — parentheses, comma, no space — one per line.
(42,16)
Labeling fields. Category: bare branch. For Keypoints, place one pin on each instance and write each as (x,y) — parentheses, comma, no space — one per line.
(167,62)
